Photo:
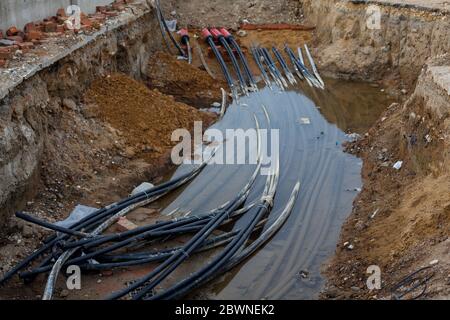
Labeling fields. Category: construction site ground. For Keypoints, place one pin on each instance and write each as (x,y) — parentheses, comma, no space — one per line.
(118,135)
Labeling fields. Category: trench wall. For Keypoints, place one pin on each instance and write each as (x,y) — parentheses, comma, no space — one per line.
(20,12)
(24,111)
(407,38)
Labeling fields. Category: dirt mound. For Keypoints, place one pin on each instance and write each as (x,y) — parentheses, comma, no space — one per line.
(145,118)
(185,82)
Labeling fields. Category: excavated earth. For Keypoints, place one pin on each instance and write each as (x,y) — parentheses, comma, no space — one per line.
(75,134)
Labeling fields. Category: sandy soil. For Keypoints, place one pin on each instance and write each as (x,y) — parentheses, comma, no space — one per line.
(231,13)
(186,83)
(146,118)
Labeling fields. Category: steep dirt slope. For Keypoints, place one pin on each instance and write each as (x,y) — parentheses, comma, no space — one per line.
(401,220)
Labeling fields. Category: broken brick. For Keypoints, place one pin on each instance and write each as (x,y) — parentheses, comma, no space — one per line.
(50,26)
(7,52)
(62,20)
(13,31)
(107,273)
(51,19)
(30,27)
(99,17)
(110,13)
(85,21)
(101,9)
(33,35)
(61,13)
(118,6)
(26,46)
(60,28)
(3,63)
(125,225)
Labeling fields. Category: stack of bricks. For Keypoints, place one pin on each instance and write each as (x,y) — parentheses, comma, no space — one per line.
(13,39)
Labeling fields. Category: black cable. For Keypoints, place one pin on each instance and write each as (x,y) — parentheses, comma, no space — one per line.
(226,72)
(199,276)
(48,225)
(244,61)
(92,219)
(176,259)
(235,63)
(175,43)
(284,65)
(258,62)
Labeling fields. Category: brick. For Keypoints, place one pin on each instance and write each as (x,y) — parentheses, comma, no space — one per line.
(99,17)
(125,225)
(51,19)
(31,26)
(50,26)
(60,28)
(26,46)
(13,31)
(85,21)
(7,52)
(111,14)
(33,35)
(61,13)
(107,273)
(101,9)
(62,20)
(38,27)
(118,6)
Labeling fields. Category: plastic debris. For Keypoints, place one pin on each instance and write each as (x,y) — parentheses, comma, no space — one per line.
(305,121)
(373,215)
(353,136)
(242,33)
(76,215)
(142,188)
(398,165)
(172,25)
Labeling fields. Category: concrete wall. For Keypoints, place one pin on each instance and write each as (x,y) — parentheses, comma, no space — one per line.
(20,12)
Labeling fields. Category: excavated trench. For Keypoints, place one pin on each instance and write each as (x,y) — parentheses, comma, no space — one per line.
(93,138)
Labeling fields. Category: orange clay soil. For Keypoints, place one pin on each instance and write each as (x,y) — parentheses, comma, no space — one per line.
(145,118)
(187,83)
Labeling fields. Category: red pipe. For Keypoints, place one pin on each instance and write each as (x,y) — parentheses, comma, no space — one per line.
(225,33)
(206,34)
(216,33)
